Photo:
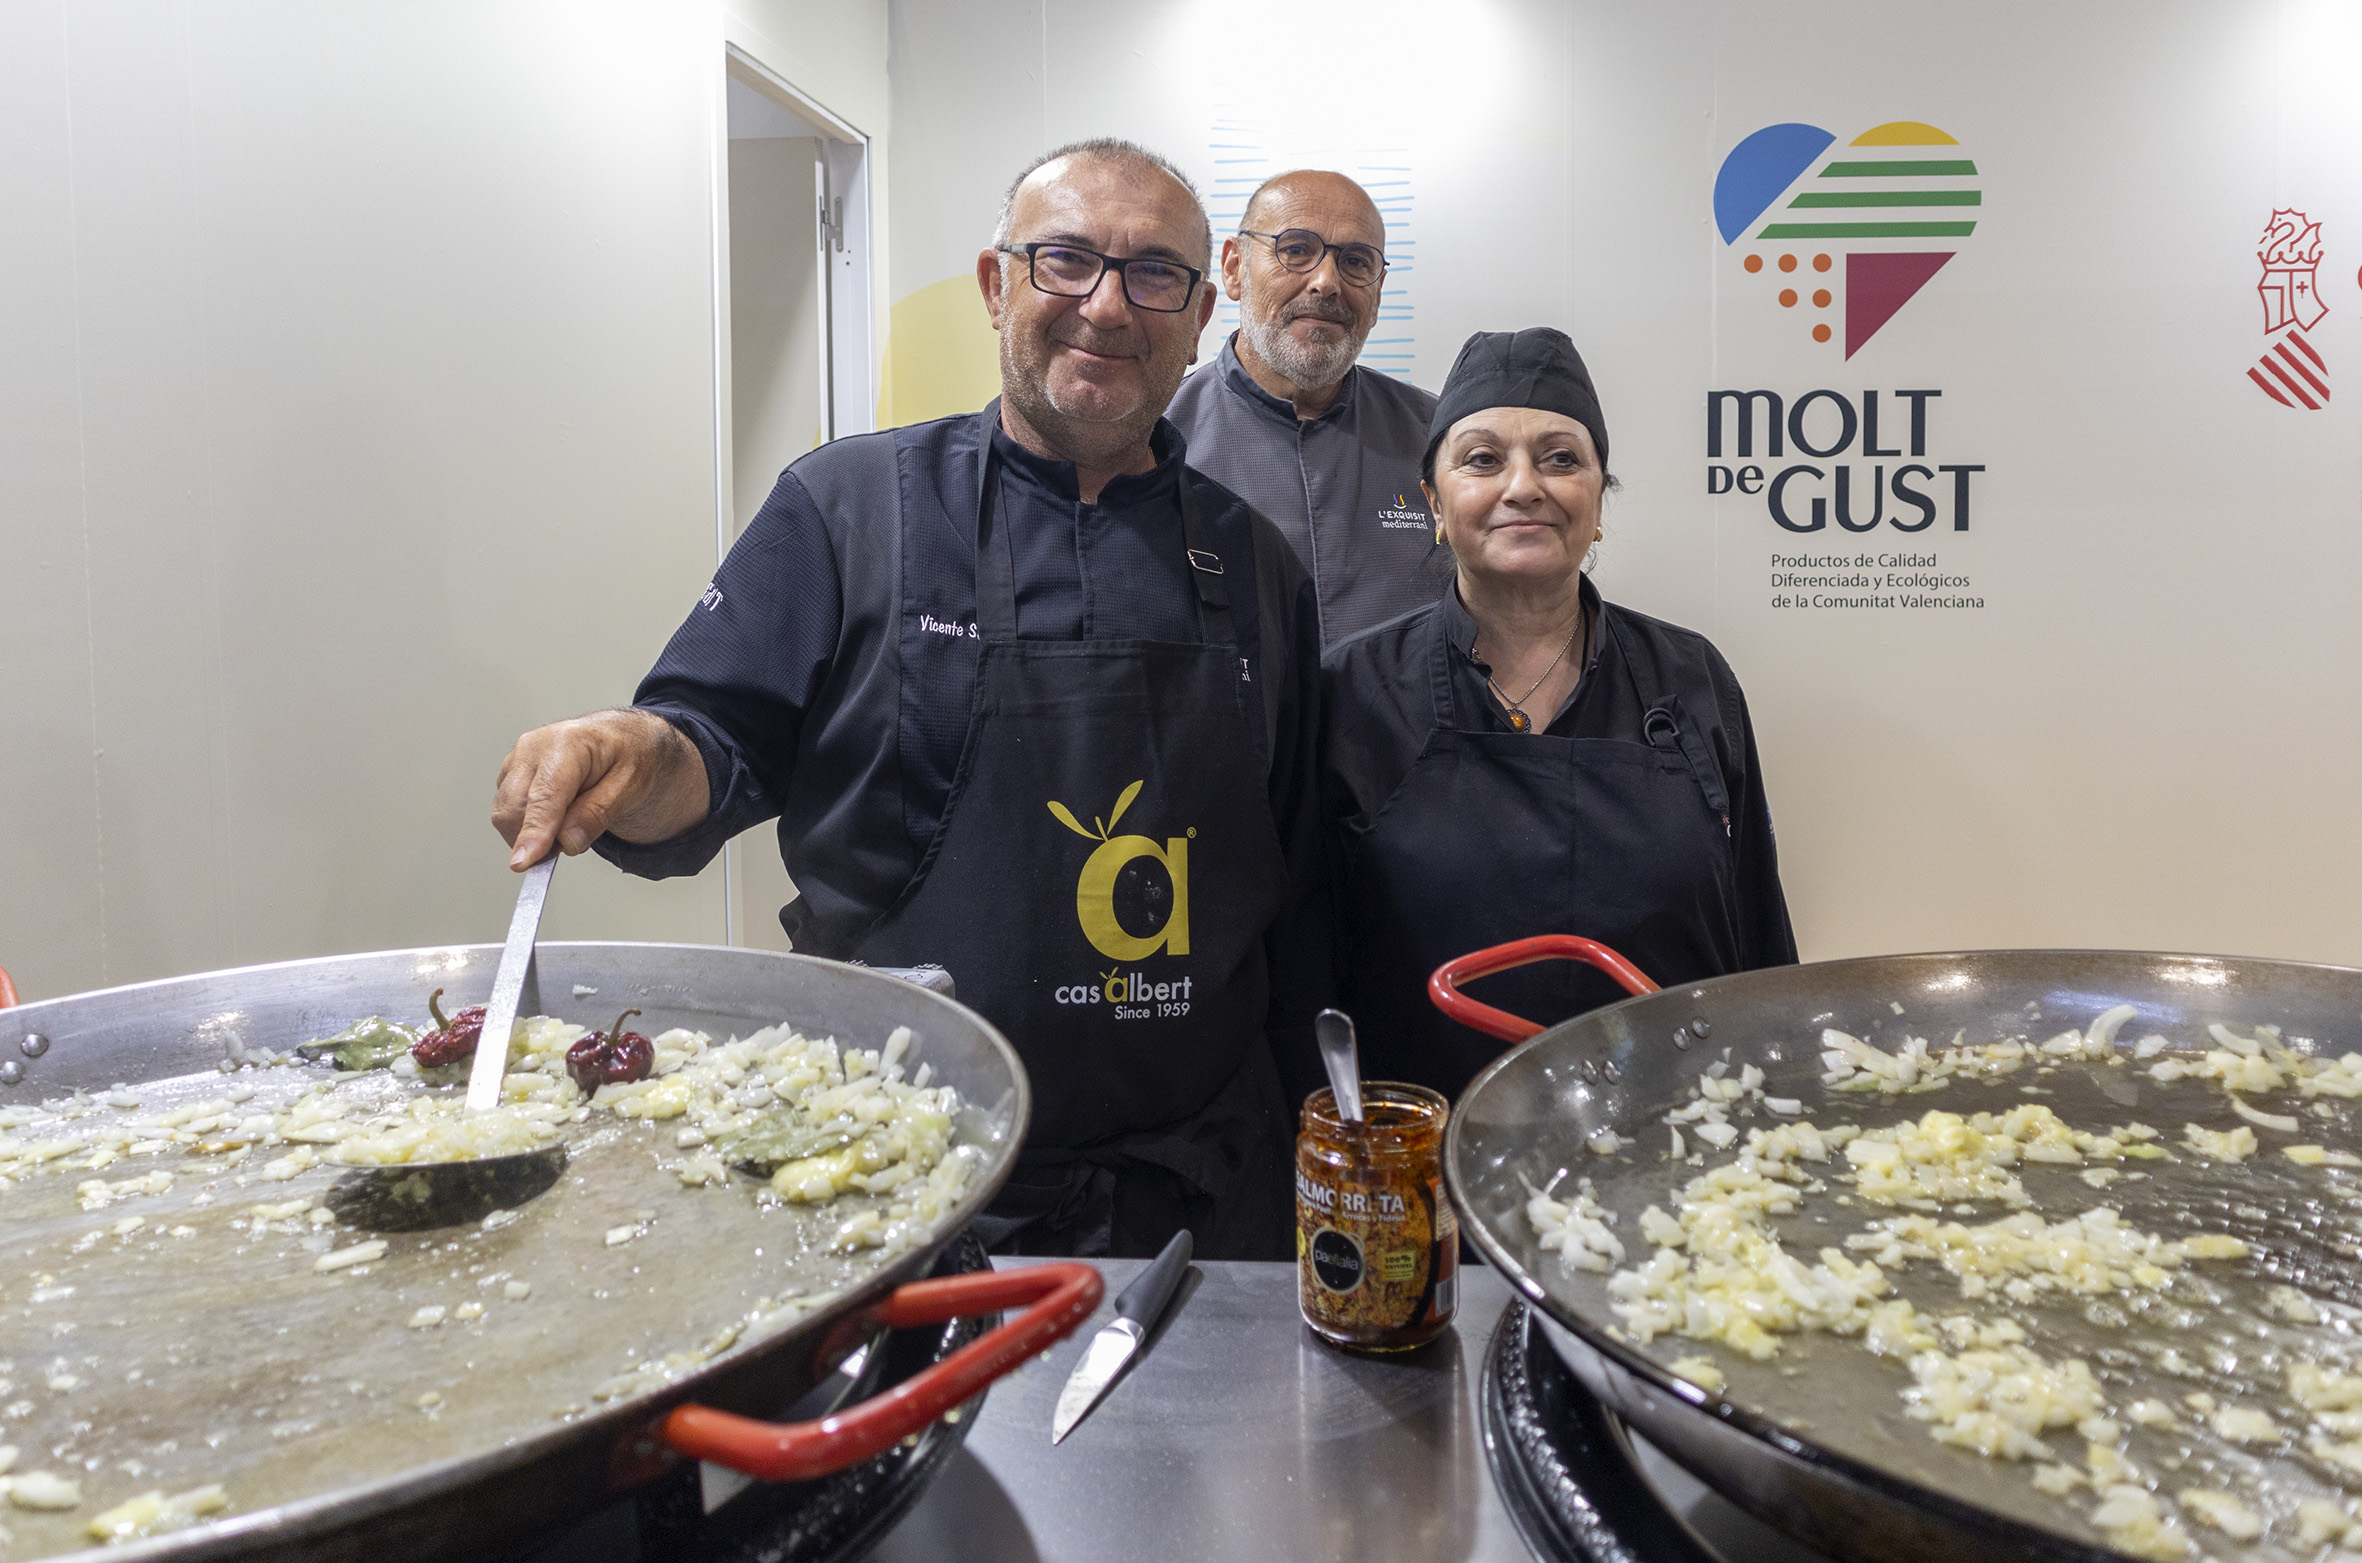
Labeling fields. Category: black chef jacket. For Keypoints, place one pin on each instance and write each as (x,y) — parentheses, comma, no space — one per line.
(788,674)
(1379,712)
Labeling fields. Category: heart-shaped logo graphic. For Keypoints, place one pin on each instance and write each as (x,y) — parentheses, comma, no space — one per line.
(1894,203)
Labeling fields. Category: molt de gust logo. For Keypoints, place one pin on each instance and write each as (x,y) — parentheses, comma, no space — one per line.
(1835,241)
(1123,869)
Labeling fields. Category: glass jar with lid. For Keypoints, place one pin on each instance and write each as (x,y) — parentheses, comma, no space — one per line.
(1377,1245)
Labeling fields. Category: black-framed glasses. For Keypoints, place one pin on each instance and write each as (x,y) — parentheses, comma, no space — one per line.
(1070,271)
(1300,249)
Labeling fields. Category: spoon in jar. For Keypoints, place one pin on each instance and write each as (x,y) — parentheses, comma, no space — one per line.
(1342,1056)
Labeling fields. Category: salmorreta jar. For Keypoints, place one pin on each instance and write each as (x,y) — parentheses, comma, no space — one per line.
(1377,1246)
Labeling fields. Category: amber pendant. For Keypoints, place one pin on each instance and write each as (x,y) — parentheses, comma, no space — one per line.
(1518,720)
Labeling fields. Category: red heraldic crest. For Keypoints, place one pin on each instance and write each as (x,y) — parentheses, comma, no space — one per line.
(2291,372)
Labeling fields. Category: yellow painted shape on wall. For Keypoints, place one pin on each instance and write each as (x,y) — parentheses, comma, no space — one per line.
(942,355)
(1904,133)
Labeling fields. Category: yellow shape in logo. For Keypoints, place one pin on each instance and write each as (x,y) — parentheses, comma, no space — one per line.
(1904,133)
(1094,890)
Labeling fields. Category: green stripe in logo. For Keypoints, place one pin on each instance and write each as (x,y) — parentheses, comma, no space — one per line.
(1910,169)
(1867,230)
(1890,198)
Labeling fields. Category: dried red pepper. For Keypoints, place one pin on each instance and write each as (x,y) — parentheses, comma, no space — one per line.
(611,1057)
(453,1040)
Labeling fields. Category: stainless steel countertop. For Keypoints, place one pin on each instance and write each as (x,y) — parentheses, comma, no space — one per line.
(1237,1434)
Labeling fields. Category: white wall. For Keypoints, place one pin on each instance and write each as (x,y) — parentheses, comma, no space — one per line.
(357,390)
(357,395)
(775,324)
(2146,737)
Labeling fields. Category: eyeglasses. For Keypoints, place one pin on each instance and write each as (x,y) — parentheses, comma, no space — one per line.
(1069,272)
(1300,249)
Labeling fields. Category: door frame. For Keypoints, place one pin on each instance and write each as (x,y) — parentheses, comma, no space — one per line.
(849,398)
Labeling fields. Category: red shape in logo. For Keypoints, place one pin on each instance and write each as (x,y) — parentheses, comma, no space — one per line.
(2290,251)
(2305,384)
(1878,285)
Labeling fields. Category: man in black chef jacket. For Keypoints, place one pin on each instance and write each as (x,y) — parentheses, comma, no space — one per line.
(1030,700)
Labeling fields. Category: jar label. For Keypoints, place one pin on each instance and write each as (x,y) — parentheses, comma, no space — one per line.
(1376,1253)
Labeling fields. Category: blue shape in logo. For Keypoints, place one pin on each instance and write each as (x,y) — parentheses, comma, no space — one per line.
(1759,169)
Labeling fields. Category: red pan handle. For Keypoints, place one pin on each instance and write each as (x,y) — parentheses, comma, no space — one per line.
(1444,986)
(1061,1296)
(7,989)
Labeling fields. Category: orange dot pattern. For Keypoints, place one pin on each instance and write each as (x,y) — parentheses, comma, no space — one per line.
(1822,298)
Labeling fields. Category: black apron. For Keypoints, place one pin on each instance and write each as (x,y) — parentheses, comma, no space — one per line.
(1494,836)
(1099,889)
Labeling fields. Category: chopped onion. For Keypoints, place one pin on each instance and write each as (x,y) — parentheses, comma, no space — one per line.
(2246,1425)
(2245,1047)
(2224,1512)
(2261,1119)
(41,1490)
(345,1258)
(2100,1035)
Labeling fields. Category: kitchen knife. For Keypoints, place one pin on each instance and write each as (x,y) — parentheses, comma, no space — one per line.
(508,986)
(1136,1312)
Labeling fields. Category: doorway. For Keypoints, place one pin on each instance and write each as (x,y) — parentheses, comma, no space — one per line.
(793,350)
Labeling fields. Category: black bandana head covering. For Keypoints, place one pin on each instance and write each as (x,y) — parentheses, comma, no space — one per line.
(1537,367)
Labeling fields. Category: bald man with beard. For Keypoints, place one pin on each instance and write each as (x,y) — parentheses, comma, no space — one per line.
(1326,449)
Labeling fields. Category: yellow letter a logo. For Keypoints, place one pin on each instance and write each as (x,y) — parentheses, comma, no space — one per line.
(1094,890)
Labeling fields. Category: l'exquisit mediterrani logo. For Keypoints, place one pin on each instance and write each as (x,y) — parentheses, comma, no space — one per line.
(1404,515)
(1152,883)
(1833,241)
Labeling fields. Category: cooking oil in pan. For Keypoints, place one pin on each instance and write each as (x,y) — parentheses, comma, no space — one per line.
(2195,1374)
(175,1319)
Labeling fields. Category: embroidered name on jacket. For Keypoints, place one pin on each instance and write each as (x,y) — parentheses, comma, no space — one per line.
(935,626)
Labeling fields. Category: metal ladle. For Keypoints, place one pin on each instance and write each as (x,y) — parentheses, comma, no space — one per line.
(416,1195)
(1342,1056)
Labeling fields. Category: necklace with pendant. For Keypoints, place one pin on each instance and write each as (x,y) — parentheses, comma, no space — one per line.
(1519,722)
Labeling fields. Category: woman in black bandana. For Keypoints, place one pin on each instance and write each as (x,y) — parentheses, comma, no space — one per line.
(1523,757)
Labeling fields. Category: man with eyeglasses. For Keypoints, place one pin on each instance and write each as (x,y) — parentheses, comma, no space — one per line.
(1033,702)
(1328,449)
